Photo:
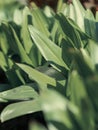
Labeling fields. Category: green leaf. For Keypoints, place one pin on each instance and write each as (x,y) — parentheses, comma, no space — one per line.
(25,92)
(92,88)
(42,79)
(91,32)
(89,15)
(96,16)
(40,21)
(27,42)
(7,8)
(20,50)
(59,5)
(3,63)
(5,38)
(79,6)
(49,13)
(79,96)
(14,77)
(52,127)
(49,50)
(18,109)
(57,33)
(50,71)
(55,108)
(87,71)
(76,84)
(71,30)
(79,13)
(91,22)
(68,48)
(4,43)
(29,46)
(17,16)
(84,64)
(93,50)
(73,11)
(36,126)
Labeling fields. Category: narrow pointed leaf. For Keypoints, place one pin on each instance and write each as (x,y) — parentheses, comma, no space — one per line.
(24,32)
(39,77)
(20,50)
(49,50)
(40,21)
(79,13)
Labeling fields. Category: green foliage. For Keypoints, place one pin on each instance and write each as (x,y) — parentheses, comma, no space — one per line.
(83,17)
(49,63)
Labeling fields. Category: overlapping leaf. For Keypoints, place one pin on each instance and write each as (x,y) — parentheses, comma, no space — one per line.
(49,50)
(20,93)
(26,107)
(42,79)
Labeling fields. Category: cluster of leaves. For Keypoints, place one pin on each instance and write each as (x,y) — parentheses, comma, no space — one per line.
(49,62)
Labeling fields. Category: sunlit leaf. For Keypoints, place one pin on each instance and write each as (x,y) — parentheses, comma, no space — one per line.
(39,77)
(20,93)
(40,21)
(49,50)
(26,107)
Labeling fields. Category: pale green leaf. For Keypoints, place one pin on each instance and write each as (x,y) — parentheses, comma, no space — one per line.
(59,5)
(3,63)
(40,21)
(79,13)
(42,79)
(17,18)
(24,31)
(96,16)
(29,46)
(49,50)
(93,50)
(19,109)
(25,92)
(3,42)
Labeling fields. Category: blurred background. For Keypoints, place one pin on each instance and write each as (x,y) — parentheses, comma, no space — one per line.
(92,4)
(52,3)
(86,3)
